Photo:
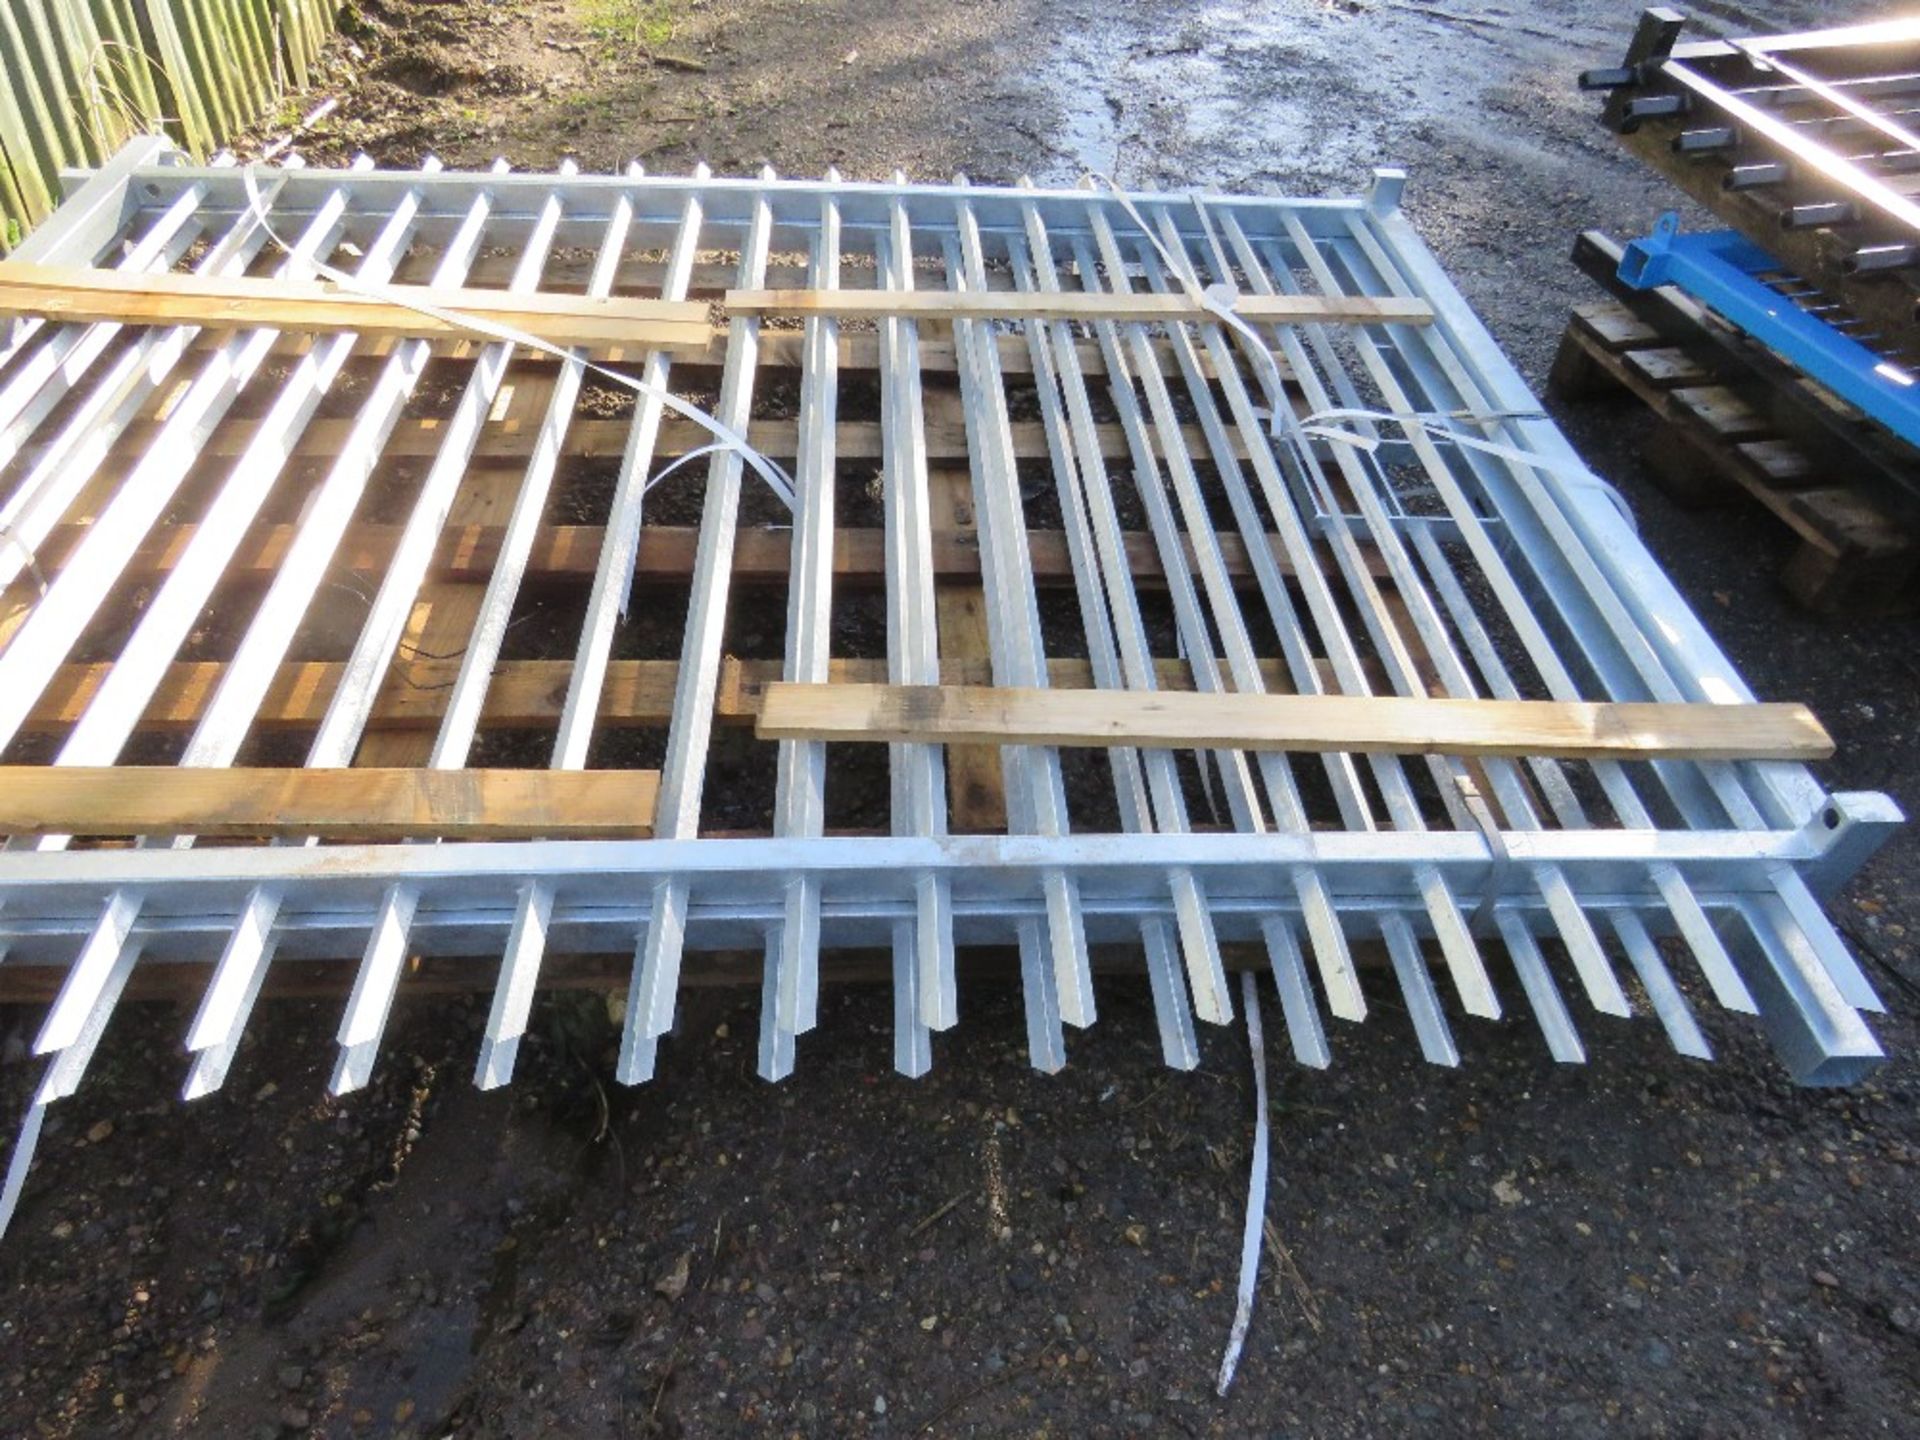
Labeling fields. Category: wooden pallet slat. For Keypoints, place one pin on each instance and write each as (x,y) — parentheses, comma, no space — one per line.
(569,554)
(1716,442)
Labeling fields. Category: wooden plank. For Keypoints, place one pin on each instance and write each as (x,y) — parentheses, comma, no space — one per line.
(524,695)
(1614,325)
(1078,305)
(939,714)
(365,804)
(779,349)
(976,789)
(854,440)
(860,350)
(64,292)
(1698,454)
(570,553)
(443,616)
(1692,469)
(1722,411)
(1783,463)
(1667,367)
(1575,374)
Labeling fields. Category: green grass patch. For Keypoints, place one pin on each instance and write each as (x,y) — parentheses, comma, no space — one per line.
(647,24)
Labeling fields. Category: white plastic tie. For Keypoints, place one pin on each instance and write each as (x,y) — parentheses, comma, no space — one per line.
(777,479)
(1218,299)
(1440,426)
(1254,1225)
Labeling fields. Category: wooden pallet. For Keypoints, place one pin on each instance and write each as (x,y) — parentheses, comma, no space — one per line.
(1719,440)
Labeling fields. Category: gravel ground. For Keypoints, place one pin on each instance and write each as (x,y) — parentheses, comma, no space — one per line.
(1641,1246)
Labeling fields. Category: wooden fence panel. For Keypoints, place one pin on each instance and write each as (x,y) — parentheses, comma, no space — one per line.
(77,77)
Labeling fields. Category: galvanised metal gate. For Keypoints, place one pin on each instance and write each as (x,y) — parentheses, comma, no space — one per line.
(1354,509)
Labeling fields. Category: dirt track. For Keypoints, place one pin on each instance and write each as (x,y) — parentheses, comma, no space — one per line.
(1643,1246)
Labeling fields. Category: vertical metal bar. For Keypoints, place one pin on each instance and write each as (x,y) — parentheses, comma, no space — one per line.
(1667,1000)
(338,736)
(1323,926)
(116,708)
(1817,1033)
(912,1041)
(1146,784)
(1549,1010)
(98,956)
(1040,1001)
(1655,635)
(1603,988)
(244,683)
(793,944)
(95,563)
(1416,983)
(365,1017)
(1660,652)
(62,1077)
(38,382)
(1036,794)
(1723,779)
(1456,943)
(87,435)
(656,974)
(918,772)
(1209,987)
(1304,1029)
(1336,966)
(1563,905)
(1469,973)
(1668,1003)
(1805,910)
(606,603)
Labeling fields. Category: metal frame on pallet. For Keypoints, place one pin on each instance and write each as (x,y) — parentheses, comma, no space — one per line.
(1802,142)
(1729,273)
(1835,106)
(1873,460)
(1384,559)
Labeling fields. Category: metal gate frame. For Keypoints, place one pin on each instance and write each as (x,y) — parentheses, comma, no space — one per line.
(1518,572)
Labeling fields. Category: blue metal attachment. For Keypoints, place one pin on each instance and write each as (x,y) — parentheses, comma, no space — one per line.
(1720,269)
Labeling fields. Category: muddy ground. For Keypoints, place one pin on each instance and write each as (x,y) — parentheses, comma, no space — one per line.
(1642,1246)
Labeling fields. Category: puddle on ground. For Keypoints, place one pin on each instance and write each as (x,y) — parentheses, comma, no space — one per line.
(1308,96)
